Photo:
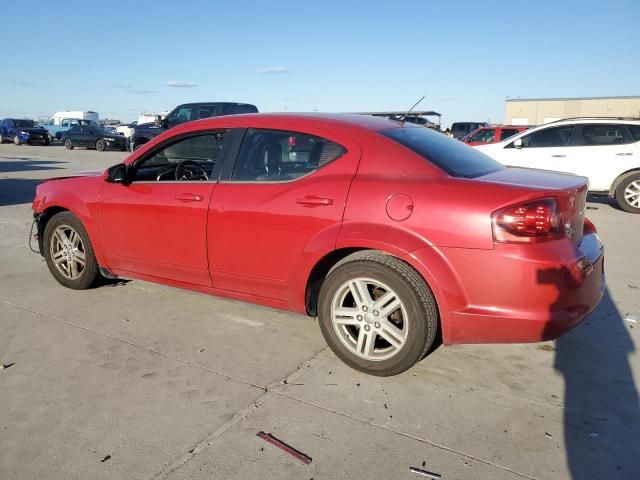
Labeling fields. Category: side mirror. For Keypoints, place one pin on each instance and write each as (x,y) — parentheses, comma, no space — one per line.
(517,143)
(120,173)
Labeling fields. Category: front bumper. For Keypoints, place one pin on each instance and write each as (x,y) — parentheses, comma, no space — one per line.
(522,293)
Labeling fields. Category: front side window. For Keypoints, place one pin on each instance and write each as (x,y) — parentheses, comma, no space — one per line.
(486,135)
(454,157)
(190,158)
(276,156)
(593,135)
(549,137)
(182,115)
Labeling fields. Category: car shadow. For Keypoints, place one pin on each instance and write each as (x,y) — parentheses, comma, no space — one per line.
(25,164)
(601,413)
(17,191)
(604,200)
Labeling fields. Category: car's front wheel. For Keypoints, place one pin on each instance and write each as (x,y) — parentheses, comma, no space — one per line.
(68,144)
(16,140)
(68,252)
(100,146)
(377,313)
(628,194)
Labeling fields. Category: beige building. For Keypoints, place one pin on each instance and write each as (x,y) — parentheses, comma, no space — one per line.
(536,111)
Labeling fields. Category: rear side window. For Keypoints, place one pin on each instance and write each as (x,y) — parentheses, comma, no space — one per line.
(635,132)
(237,109)
(507,132)
(206,111)
(452,156)
(276,155)
(593,135)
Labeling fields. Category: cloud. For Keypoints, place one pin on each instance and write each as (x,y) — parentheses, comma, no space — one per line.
(180,84)
(121,85)
(143,92)
(273,70)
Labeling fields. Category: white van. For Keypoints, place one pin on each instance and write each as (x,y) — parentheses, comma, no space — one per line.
(88,115)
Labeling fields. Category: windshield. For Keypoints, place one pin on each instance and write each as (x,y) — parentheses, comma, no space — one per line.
(24,123)
(452,156)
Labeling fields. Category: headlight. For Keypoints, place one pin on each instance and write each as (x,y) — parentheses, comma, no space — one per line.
(23,133)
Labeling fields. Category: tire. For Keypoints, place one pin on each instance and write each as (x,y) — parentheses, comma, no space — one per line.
(628,193)
(100,146)
(16,140)
(46,142)
(68,144)
(412,324)
(66,241)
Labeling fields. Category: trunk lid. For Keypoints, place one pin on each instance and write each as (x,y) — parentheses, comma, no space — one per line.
(570,192)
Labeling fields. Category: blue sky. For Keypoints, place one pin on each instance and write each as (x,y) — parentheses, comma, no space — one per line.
(119,58)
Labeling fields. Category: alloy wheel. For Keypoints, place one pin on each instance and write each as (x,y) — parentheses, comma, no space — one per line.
(632,194)
(369,319)
(68,252)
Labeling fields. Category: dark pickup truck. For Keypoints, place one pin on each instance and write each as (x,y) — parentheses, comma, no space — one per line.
(185,113)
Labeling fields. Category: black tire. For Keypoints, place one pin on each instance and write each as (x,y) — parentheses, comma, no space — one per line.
(68,144)
(90,272)
(101,146)
(627,183)
(17,140)
(46,142)
(416,297)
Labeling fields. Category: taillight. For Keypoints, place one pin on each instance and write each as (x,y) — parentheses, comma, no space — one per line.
(531,222)
(589,227)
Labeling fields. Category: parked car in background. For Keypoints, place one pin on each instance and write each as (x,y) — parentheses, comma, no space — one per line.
(127,130)
(93,137)
(460,130)
(63,124)
(493,134)
(307,213)
(21,131)
(605,150)
(187,112)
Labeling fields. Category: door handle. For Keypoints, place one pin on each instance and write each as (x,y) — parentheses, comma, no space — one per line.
(189,197)
(312,201)
(624,154)
(558,156)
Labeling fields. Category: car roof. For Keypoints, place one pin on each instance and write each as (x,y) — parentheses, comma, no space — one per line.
(329,121)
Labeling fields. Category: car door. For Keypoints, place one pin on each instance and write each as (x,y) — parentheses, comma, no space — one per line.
(156,225)
(546,149)
(284,197)
(601,152)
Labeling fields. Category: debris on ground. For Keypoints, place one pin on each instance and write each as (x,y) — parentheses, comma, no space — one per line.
(6,365)
(267,437)
(632,287)
(546,347)
(424,473)
(105,459)
(592,208)
(547,434)
(631,318)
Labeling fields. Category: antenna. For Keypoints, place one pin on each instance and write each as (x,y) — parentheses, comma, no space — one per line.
(404,118)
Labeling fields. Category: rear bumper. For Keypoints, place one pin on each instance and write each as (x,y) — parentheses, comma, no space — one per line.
(522,293)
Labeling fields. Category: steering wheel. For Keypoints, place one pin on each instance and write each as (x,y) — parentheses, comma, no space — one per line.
(190,170)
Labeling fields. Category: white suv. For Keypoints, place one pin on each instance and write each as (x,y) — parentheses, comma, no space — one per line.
(606,150)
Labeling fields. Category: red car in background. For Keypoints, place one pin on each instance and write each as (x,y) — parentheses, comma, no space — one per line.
(494,134)
(391,234)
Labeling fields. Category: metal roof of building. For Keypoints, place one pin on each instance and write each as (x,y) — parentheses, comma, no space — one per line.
(570,98)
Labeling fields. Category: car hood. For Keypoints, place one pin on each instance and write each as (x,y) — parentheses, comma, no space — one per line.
(85,173)
(31,129)
(114,136)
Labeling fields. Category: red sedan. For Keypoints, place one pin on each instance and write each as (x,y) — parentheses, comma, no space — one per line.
(391,234)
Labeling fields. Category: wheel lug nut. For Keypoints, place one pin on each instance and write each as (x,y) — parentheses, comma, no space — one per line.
(375,312)
(364,309)
(367,328)
(359,318)
(377,325)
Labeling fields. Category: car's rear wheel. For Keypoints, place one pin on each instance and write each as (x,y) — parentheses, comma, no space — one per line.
(377,313)
(628,193)
(68,144)
(100,146)
(68,252)
(17,140)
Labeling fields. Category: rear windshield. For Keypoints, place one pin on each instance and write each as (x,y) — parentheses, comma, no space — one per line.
(452,156)
(237,109)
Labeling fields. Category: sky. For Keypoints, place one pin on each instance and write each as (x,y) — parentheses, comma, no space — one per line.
(123,58)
